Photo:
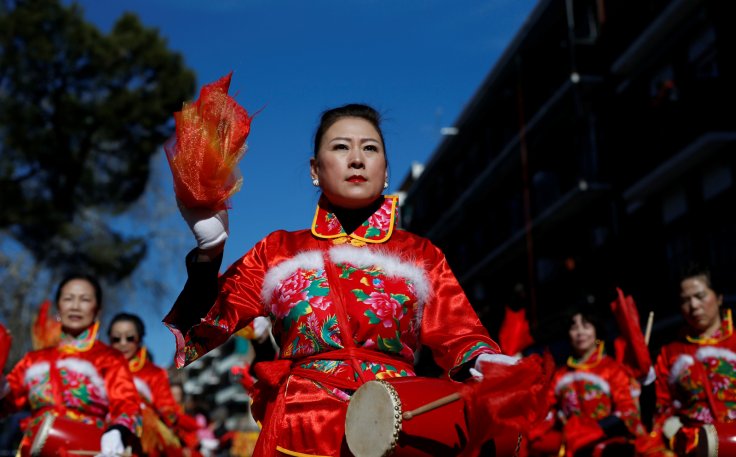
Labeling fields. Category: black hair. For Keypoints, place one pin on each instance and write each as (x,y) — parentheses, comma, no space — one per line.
(330,116)
(589,314)
(126,317)
(85,277)
(698,270)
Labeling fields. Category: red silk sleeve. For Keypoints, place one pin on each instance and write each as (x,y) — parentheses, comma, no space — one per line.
(124,402)
(17,397)
(623,403)
(663,407)
(449,325)
(163,400)
(237,303)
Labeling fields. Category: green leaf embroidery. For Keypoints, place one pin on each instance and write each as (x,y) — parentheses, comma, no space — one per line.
(389,344)
(401,298)
(360,295)
(300,309)
(372,318)
(318,288)
(372,232)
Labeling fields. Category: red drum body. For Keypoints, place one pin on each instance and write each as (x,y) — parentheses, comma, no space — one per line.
(374,426)
(717,439)
(55,433)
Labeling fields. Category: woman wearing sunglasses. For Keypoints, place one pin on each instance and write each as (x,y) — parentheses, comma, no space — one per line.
(79,390)
(125,333)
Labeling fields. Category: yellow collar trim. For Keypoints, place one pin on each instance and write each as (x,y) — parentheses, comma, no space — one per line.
(589,362)
(138,360)
(81,343)
(726,332)
(356,240)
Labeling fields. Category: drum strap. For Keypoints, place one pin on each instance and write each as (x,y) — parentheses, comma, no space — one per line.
(55,382)
(342,317)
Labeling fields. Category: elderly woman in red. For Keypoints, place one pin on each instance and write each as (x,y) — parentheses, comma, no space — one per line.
(351,298)
(696,374)
(593,408)
(82,382)
(162,415)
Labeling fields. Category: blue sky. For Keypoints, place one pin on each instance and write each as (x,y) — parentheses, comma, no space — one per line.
(417,61)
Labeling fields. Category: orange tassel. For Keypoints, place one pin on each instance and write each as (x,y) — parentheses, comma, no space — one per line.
(45,330)
(208,144)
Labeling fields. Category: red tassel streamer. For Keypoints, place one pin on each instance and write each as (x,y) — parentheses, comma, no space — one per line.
(514,335)
(208,144)
(631,349)
(509,399)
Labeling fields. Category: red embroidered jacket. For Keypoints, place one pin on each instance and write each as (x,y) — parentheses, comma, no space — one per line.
(346,308)
(684,370)
(97,385)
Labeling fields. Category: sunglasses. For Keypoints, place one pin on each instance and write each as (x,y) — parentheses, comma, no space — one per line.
(129,339)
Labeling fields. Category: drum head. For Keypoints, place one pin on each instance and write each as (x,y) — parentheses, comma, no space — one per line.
(373,420)
(708,441)
(39,441)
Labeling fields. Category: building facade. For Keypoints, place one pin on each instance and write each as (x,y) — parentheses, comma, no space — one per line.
(598,153)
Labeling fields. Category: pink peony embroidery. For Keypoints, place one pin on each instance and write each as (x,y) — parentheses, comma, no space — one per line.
(381,219)
(291,292)
(321,303)
(385,307)
(333,225)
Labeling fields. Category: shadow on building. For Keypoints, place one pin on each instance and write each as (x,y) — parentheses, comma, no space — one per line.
(599,152)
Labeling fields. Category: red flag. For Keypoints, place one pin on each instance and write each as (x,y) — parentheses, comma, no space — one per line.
(631,349)
(514,335)
(6,341)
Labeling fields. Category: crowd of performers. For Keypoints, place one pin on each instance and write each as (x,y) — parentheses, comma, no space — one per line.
(350,301)
(106,399)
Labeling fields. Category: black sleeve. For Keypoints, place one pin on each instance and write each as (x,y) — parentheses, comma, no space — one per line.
(199,293)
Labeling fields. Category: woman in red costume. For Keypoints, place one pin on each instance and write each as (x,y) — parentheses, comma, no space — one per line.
(696,374)
(125,333)
(80,380)
(351,298)
(593,410)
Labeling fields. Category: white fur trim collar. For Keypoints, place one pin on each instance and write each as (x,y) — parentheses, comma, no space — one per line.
(682,362)
(574,376)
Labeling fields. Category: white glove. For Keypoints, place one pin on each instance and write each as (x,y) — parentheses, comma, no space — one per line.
(261,327)
(210,228)
(209,444)
(671,426)
(111,444)
(491,358)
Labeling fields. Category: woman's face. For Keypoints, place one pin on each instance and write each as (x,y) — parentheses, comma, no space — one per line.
(582,335)
(699,304)
(124,337)
(77,306)
(351,163)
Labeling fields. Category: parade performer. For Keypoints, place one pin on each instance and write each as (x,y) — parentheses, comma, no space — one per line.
(593,408)
(161,413)
(351,298)
(81,386)
(696,373)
